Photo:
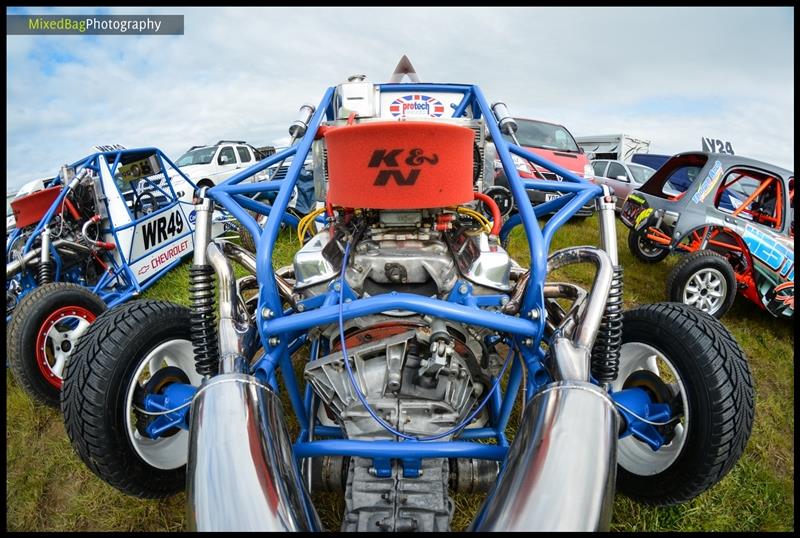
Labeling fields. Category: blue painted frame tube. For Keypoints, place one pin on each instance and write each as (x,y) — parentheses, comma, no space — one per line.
(263,164)
(534,295)
(268,294)
(514,382)
(404,301)
(396,450)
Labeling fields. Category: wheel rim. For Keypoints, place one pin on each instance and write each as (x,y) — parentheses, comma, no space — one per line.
(706,290)
(56,340)
(648,248)
(633,455)
(167,452)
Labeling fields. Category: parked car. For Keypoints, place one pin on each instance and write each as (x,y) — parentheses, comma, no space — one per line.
(554,143)
(211,165)
(733,216)
(620,176)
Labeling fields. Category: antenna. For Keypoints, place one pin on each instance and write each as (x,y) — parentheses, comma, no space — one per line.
(404,67)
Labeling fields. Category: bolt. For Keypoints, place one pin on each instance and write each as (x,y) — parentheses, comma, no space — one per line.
(301,307)
(504,300)
(337,286)
(266,313)
(527,342)
(463,288)
(274,341)
(534,314)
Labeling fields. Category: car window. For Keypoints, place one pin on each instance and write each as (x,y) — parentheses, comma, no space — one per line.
(197,156)
(751,195)
(599,168)
(675,176)
(640,173)
(244,155)
(540,134)
(226,153)
(616,169)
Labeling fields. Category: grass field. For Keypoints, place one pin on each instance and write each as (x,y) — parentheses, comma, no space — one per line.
(48,488)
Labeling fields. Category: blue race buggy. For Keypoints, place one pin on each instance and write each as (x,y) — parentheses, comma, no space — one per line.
(103,230)
(413,314)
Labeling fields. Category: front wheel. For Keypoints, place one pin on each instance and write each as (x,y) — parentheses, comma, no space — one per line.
(704,280)
(131,351)
(43,332)
(686,358)
(645,249)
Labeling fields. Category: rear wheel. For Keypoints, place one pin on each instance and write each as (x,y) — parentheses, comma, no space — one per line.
(686,358)
(705,280)
(645,249)
(131,351)
(43,333)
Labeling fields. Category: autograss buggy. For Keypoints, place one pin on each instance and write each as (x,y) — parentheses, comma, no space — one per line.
(733,218)
(413,314)
(101,231)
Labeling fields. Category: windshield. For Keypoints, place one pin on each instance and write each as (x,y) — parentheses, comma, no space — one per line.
(640,173)
(538,134)
(197,156)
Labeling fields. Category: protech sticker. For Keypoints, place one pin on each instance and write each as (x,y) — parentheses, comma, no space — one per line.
(417,105)
(709,183)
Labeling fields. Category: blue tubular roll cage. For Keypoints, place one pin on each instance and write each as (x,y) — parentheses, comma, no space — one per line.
(281,331)
(118,283)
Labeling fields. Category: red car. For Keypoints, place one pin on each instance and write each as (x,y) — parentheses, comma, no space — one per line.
(555,143)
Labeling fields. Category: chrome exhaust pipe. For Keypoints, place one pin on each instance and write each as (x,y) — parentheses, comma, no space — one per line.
(241,474)
(561,468)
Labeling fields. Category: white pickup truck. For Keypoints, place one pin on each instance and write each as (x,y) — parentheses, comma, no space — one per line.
(208,166)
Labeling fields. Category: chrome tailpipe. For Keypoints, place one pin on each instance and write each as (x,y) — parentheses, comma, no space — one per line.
(241,474)
(561,469)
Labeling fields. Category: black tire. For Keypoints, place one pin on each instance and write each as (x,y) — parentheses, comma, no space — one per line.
(96,384)
(693,264)
(245,237)
(719,392)
(644,249)
(27,320)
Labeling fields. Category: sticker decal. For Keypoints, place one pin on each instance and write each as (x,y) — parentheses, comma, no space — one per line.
(642,216)
(415,159)
(709,183)
(157,231)
(416,105)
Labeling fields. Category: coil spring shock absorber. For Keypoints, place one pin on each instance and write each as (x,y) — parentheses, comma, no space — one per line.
(201,293)
(203,319)
(45,274)
(606,350)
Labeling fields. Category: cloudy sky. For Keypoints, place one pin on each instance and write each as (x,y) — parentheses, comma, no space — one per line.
(670,75)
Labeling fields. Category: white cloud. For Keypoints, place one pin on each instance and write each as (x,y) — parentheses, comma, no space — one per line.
(242,73)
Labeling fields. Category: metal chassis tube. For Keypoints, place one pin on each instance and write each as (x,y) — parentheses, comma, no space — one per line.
(279,329)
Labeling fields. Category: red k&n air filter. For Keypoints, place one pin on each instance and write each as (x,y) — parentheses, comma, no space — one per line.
(32,208)
(400,165)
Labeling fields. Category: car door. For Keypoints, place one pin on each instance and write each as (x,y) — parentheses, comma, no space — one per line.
(227,164)
(599,168)
(617,178)
(246,159)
